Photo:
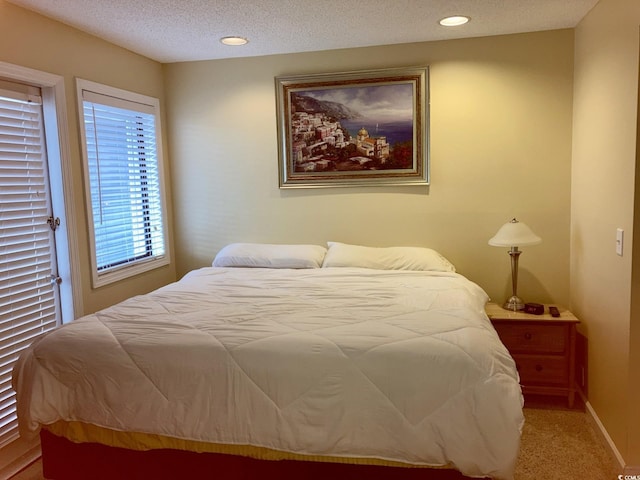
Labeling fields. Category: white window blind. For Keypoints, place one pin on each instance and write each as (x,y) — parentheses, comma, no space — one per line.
(28,306)
(125,189)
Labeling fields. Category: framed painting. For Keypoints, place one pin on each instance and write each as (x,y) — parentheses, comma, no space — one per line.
(354,128)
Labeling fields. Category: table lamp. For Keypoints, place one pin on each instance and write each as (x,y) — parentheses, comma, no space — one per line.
(514,234)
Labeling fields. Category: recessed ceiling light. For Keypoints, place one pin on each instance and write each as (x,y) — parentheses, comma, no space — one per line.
(233,40)
(454,21)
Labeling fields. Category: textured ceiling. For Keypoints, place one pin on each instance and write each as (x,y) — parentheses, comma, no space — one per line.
(184,30)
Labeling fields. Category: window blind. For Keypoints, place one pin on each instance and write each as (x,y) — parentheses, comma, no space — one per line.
(27,297)
(124,181)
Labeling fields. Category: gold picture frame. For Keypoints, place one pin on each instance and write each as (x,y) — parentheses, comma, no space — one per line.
(354,128)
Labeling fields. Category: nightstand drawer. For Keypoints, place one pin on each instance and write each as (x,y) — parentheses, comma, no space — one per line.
(542,370)
(533,338)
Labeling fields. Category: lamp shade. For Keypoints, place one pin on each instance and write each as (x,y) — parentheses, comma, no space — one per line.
(514,234)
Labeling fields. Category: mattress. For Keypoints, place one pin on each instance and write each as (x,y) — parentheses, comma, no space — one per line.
(348,363)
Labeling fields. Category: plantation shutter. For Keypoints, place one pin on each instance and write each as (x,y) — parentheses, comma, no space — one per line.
(28,305)
(124,181)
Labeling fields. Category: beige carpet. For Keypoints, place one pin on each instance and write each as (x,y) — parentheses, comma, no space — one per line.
(563,445)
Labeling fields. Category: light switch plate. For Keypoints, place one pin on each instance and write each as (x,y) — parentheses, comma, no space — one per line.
(619,241)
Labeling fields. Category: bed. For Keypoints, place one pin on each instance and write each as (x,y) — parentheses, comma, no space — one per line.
(282,359)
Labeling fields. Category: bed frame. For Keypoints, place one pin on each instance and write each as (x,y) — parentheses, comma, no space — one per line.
(66,460)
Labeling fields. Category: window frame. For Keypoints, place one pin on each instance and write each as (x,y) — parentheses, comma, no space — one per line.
(120,272)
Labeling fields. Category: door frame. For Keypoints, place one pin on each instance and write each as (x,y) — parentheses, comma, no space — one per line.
(54,108)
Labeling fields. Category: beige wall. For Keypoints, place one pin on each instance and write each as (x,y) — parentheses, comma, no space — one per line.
(500,147)
(603,191)
(33,41)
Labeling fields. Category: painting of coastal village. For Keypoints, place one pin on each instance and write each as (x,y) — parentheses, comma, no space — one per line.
(352,129)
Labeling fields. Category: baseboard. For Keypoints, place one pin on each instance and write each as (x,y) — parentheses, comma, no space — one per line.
(604,436)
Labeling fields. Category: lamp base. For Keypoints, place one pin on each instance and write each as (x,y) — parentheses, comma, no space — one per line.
(514,304)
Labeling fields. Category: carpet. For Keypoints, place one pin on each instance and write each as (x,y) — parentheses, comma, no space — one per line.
(562,444)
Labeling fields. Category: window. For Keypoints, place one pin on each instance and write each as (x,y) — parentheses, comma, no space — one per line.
(123,174)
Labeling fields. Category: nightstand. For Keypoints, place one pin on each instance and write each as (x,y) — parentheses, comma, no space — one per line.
(543,347)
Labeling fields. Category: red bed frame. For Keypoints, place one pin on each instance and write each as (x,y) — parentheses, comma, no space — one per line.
(66,460)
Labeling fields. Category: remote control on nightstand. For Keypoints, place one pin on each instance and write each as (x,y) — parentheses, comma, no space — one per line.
(554,311)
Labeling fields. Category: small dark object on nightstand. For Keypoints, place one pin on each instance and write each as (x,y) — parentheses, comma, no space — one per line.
(535,308)
(554,311)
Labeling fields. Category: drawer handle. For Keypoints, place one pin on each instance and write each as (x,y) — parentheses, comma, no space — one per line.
(538,368)
(527,336)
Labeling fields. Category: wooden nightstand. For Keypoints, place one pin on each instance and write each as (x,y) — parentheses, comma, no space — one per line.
(543,347)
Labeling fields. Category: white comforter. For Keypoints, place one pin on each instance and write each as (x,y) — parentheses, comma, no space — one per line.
(346,362)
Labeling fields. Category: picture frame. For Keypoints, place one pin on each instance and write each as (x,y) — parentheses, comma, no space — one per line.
(353,128)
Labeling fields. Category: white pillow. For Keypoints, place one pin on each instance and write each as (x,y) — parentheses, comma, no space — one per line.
(262,255)
(386,258)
